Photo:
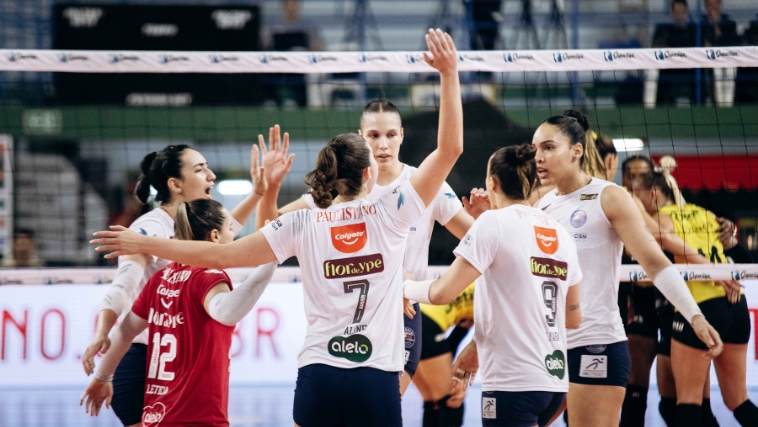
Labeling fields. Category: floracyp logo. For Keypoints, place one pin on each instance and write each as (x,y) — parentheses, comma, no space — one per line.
(355,348)
(556,364)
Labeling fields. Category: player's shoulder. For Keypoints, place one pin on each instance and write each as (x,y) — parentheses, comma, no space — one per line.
(156,223)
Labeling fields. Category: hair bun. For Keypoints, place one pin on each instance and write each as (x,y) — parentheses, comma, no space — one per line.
(147,162)
(667,164)
(525,152)
(580,117)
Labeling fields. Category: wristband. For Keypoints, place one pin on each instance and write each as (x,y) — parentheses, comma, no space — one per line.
(418,291)
(673,287)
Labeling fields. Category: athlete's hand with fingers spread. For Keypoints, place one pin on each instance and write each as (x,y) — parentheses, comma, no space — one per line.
(275,160)
(100,345)
(727,233)
(707,335)
(733,289)
(119,241)
(478,203)
(466,365)
(97,393)
(257,173)
(444,56)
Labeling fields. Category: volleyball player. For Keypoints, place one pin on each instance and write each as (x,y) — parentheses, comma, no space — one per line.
(189,314)
(352,268)
(602,217)
(178,174)
(721,302)
(381,126)
(529,297)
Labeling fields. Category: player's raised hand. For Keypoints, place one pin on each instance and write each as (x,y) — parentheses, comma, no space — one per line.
(275,160)
(444,57)
(257,173)
(118,241)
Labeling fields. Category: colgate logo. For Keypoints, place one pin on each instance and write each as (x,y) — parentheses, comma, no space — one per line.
(153,415)
(547,239)
(349,238)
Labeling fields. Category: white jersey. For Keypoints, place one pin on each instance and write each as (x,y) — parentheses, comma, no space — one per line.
(528,261)
(442,209)
(352,277)
(600,248)
(156,223)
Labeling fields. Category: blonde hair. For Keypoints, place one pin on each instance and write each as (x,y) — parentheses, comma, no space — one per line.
(666,165)
(593,163)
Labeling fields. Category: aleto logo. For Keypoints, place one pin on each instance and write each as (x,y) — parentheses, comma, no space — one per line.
(154,414)
(349,238)
(355,348)
(556,364)
(355,266)
(547,239)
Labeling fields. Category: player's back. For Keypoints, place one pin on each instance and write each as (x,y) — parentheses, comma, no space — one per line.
(188,352)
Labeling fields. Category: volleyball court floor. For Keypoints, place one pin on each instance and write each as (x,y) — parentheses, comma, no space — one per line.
(257,406)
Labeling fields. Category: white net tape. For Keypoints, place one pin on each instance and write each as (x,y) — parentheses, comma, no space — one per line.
(345,62)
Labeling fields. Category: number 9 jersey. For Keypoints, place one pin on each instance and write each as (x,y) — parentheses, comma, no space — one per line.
(188,352)
(351,258)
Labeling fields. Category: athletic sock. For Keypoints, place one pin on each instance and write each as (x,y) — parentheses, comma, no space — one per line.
(451,417)
(746,414)
(667,409)
(635,405)
(708,419)
(689,415)
(431,414)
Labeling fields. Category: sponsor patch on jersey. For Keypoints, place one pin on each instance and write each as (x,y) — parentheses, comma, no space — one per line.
(547,239)
(152,415)
(546,267)
(451,195)
(354,266)
(578,218)
(489,408)
(410,337)
(355,348)
(593,366)
(349,238)
(585,197)
(556,364)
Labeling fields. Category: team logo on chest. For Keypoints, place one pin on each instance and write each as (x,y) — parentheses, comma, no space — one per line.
(547,239)
(349,238)
(578,218)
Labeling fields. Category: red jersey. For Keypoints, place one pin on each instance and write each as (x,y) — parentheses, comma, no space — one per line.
(188,364)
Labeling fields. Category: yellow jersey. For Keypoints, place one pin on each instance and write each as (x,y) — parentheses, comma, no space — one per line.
(699,230)
(450,314)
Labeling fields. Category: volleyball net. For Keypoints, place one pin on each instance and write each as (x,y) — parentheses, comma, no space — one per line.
(74,125)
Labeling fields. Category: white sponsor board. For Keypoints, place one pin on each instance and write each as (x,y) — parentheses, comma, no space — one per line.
(45,329)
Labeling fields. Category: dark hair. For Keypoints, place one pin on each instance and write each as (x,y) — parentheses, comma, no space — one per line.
(25,231)
(605,147)
(576,127)
(682,2)
(380,105)
(157,167)
(636,158)
(339,169)
(658,181)
(515,169)
(196,219)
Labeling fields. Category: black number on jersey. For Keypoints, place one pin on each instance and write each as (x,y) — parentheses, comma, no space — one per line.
(362,297)
(715,258)
(550,295)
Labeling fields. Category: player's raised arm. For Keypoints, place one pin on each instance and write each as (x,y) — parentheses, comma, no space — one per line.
(435,168)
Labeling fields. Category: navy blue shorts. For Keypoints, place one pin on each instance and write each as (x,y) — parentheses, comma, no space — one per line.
(361,397)
(129,385)
(412,341)
(519,408)
(602,364)
(731,321)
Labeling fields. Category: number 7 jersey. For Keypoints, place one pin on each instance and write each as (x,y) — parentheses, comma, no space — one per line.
(188,352)
(351,259)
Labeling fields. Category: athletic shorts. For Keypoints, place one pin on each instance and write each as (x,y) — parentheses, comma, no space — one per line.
(519,408)
(645,321)
(413,338)
(361,397)
(731,321)
(665,312)
(602,364)
(434,342)
(129,385)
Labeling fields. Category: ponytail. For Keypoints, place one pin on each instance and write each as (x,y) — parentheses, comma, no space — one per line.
(592,162)
(515,170)
(339,169)
(196,219)
(156,169)
(667,164)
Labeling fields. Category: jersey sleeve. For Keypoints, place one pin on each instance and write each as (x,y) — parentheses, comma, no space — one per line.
(205,279)
(480,244)
(283,234)
(151,227)
(446,204)
(141,306)
(404,205)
